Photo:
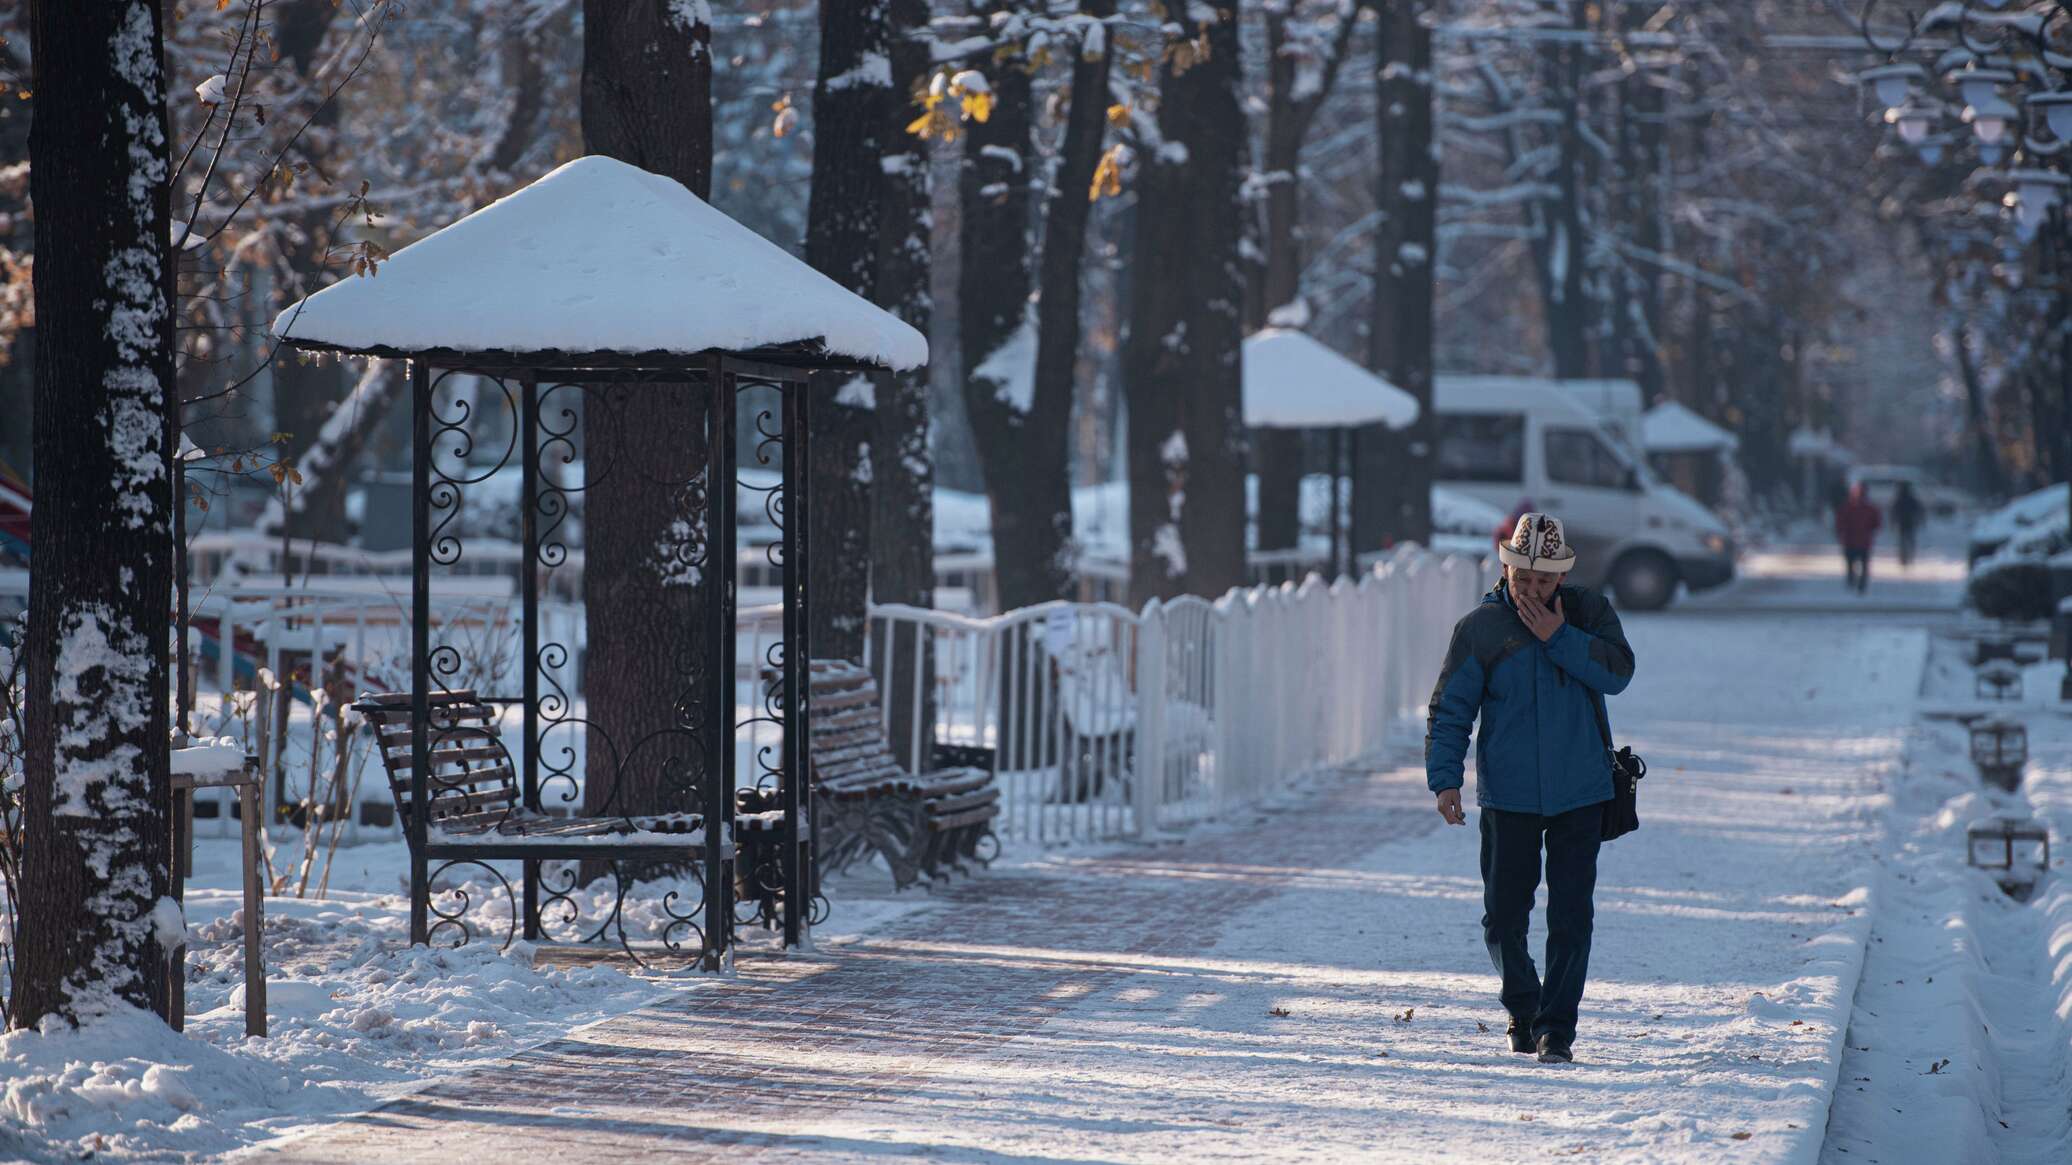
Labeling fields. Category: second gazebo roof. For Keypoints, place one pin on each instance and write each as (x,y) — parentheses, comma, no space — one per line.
(1294,382)
(599,257)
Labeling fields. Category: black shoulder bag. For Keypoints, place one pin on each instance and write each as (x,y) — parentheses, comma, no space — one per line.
(1622,812)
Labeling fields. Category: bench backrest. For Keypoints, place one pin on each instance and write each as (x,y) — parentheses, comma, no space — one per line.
(847,739)
(471,782)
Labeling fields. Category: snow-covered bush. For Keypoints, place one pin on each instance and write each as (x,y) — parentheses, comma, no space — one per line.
(2047,510)
(2013,588)
(2011,550)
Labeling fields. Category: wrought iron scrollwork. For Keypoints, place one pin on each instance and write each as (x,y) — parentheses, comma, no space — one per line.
(451,909)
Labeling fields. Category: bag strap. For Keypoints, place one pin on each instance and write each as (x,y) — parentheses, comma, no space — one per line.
(1604,720)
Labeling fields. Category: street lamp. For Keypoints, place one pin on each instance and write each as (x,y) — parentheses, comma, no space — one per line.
(2036,193)
(1982,85)
(1914,120)
(2000,748)
(1998,680)
(2056,108)
(2015,850)
(1893,84)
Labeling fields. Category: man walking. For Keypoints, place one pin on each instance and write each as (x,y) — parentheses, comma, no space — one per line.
(1856,526)
(1534,660)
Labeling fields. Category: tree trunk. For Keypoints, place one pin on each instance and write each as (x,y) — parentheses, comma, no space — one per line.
(95,919)
(1019,421)
(305,392)
(647,100)
(1987,476)
(1641,108)
(852,115)
(1568,307)
(1393,493)
(902,475)
(1182,362)
(1277,453)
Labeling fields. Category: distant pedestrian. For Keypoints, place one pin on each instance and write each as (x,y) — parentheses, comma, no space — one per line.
(1856,526)
(1534,660)
(1907,514)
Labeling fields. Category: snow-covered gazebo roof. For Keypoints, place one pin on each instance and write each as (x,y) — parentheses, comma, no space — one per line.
(1294,382)
(600,258)
(1804,442)
(1671,428)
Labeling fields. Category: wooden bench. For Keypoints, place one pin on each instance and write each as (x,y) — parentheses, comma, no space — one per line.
(475,810)
(922,824)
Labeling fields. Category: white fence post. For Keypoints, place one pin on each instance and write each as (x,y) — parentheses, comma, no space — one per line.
(1150,775)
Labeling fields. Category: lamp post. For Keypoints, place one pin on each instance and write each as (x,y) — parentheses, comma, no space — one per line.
(2008,76)
(2000,748)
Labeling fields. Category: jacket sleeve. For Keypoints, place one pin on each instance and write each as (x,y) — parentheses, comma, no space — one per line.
(1456,700)
(1597,655)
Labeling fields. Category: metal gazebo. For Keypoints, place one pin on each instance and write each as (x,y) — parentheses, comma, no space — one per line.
(526,327)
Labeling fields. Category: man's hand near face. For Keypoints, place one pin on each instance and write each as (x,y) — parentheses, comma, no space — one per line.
(1539,618)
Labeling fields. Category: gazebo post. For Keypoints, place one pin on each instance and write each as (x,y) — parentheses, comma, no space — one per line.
(529,598)
(720,476)
(798,662)
(420,641)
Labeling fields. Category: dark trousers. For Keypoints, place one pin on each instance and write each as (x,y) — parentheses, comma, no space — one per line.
(1510,875)
(1858,563)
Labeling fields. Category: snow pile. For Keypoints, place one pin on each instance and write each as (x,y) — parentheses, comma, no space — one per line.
(127,1085)
(355,1016)
(599,256)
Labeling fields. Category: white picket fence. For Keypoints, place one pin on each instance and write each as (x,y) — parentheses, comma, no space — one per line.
(1100,722)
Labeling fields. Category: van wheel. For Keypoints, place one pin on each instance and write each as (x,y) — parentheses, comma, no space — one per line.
(1644,580)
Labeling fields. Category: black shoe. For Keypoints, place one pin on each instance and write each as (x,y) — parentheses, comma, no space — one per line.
(1554,1050)
(1521,1039)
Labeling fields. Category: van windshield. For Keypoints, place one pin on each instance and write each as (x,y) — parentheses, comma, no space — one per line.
(1482,447)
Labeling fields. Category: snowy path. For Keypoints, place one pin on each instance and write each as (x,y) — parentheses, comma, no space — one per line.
(1305,985)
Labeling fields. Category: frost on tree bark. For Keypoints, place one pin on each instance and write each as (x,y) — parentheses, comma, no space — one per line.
(902,474)
(852,118)
(1021,437)
(1181,363)
(1393,502)
(95,922)
(1044,564)
(1296,88)
(647,100)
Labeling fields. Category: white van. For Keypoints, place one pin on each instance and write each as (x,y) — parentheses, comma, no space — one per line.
(1506,439)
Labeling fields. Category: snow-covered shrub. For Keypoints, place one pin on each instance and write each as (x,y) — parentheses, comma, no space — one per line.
(2012,587)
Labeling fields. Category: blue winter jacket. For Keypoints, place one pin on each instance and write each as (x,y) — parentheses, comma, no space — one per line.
(1541,748)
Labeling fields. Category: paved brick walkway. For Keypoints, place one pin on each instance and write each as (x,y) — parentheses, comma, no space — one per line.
(856,1035)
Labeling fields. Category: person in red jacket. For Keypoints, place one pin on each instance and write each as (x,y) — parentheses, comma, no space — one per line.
(1856,525)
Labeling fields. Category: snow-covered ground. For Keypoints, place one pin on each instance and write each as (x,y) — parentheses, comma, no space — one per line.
(1352,1016)
(1960,1048)
(1342,1010)
(356,1015)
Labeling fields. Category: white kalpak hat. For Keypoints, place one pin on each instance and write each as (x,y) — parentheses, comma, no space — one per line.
(1539,543)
